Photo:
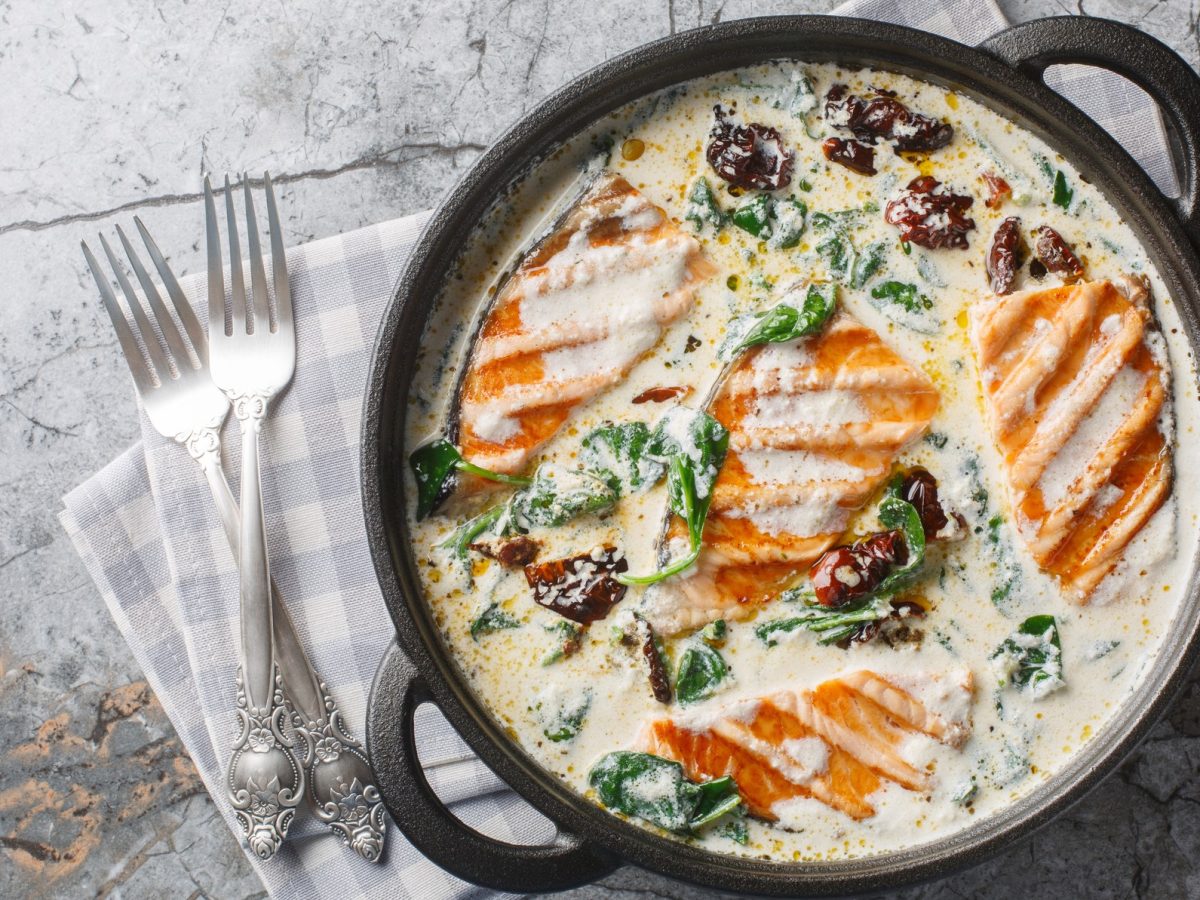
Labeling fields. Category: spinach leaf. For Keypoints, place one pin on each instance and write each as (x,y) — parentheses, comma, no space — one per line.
(905,295)
(791,218)
(736,831)
(1031,658)
(434,463)
(557,495)
(702,209)
(837,248)
(693,444)
(804,97)
(701,671)
(896,512)
(492,619)
(966,792)
(565,720)
(714,633)
(655,790)
(568,634)
(867,264)
(755,215)
(783,322)
(846,264)
(779,222)
(928,271)
(716,798)
(1063,192)
(617,453)
(832,624)
(464,535)
(553,497)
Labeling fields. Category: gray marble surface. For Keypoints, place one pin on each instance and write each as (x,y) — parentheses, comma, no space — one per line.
(367,111)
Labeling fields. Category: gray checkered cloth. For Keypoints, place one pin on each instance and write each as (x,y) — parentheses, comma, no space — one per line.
(148,534)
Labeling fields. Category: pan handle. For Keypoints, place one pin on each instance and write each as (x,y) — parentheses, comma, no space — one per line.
(1150,64)
(415,808)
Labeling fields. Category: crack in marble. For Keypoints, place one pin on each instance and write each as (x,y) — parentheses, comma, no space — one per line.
(371,161)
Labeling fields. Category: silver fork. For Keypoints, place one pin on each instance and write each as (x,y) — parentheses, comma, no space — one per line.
(183,404)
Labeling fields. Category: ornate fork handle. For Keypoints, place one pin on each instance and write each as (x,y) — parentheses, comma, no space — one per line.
(340,780)
(265,782)
(341,785)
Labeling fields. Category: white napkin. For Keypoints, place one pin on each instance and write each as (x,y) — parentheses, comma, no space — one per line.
(149,537)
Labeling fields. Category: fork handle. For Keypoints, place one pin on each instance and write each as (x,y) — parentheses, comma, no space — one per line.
(336,763)
(257,643)
(301,681)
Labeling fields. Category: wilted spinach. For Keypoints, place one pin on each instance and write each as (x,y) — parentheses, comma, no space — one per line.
(831,623)
(779,222)
(702,209)
(492,619)
(433,466)
(618,454)
(701,671)
(565,720)
(568,634)
(784,321)
(1031,658)
(553,497)
(904,295)
(654,789)
(693,444)
(846,264)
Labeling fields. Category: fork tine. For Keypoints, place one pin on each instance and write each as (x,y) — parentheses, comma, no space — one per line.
(158,360)
(279,273)
(142,377)
(166,325)
(259,300)
(216,280)
(237,286)
(183,309)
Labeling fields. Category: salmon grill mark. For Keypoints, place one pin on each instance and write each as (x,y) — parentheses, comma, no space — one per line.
(837,743)
(1075,399)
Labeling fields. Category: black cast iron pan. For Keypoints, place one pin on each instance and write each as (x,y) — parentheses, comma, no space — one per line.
(1004,73)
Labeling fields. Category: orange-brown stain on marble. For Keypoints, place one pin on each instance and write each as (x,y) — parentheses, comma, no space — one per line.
(50,830)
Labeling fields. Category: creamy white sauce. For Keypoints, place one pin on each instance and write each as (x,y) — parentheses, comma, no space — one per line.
(979,589)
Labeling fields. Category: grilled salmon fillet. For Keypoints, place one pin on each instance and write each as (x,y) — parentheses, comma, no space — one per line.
(815,426)
(837,743)
(580,308)
(1077,401)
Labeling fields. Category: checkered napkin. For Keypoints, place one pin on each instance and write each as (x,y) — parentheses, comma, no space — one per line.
(148,534)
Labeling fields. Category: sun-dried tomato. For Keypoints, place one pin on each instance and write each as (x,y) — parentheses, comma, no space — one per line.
(883,116)
(920,488)
(580,588)
(999,190)
(519,550)
(908,608)
(929,214)
(847,572)
(660,681)
(1003,255)
(749,155)
(854,155)
(1056,254)
(661,394)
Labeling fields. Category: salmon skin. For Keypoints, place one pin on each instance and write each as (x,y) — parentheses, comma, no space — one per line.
(1077,400)
(837,743)
(580,308)
(815,425)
